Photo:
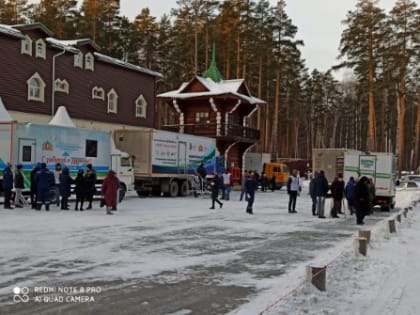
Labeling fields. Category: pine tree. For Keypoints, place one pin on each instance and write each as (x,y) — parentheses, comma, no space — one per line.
(404,20)
(60,16)
(359,44)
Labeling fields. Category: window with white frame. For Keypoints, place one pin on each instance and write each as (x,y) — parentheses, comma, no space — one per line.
(201,117)
(61,86)
(112,101)
(40,49)
(78,60)
(36,88)
(26,46)
(141,107)
(98,93)
(89,61)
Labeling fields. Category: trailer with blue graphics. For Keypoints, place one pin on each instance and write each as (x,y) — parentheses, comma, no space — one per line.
(29,143)
(165,162)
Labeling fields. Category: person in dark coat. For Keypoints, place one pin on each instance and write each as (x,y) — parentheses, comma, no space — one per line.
(19,186)
(349,194)
(90,182)
(43,179)
(361,199)
(33,184)
(201,170)
(7,185)
(80,190)
(312,194)
(337,193)
(321,189)
(65,187)
(109,190)
(250,187)
(273,183)
(372,195)
(215,186)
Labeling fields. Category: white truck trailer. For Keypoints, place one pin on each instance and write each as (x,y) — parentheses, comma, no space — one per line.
(254,161)
(30,143)
(165,162)
(379,166)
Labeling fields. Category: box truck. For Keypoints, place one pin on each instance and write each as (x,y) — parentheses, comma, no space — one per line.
(379,166)
(30,143)
(165,162)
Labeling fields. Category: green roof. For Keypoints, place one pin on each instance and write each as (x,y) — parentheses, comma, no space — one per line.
(213,72)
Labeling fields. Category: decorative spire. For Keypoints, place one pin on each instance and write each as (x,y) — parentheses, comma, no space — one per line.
(213,72)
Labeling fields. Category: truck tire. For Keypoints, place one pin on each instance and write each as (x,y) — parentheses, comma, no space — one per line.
(122,192)
(173,189)
(184,189)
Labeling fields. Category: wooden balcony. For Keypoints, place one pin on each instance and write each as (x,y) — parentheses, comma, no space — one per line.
(222,131)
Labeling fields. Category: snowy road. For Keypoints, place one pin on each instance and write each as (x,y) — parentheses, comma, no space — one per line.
(162,255)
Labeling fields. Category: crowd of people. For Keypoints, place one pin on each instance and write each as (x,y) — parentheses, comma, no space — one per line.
(359,194)
(43,182)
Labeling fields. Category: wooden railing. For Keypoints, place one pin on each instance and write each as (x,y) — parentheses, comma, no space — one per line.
(234,131)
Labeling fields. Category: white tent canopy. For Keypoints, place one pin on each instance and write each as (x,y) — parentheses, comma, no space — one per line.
(62,118)
(4,114)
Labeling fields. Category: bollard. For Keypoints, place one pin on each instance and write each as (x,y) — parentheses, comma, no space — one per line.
(361,245)
(398,217)
(365,234)
(317,276)
(405,213)
(391,224)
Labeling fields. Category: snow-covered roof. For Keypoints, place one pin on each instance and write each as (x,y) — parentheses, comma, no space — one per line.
(4,114)
(9,30)
(67,45)
(62,118)
(126,65)
(213,89)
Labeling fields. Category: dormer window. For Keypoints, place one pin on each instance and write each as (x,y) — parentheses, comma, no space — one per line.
(112,101)
(36,88)
(61,86)
(141,107)
(98,93)
(89,62)
(78,60)
(40,49)
(26,46)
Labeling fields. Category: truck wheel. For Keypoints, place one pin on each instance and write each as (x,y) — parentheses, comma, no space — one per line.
(173,189)
(122,192)
(184,189)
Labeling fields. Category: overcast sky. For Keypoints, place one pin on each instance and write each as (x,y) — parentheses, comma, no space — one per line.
(318,21)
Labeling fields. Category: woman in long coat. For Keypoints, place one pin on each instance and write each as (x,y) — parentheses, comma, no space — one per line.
(80,190)
(109,191)
(361,199)
(65,188)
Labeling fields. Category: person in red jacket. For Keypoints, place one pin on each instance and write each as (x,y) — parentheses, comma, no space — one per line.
(109,191)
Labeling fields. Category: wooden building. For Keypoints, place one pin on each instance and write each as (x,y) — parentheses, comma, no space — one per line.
(40,73)
(210,106)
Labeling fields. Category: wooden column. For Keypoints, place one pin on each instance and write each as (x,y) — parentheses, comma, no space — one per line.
(391,225)
(317,276)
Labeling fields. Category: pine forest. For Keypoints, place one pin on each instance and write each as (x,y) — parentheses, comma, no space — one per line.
(376,108)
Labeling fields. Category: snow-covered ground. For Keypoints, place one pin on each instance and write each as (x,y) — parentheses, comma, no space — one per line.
(175,256)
